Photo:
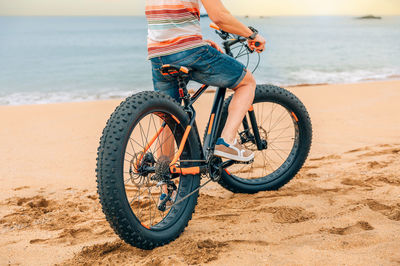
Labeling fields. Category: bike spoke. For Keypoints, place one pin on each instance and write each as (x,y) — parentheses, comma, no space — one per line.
(268,161)
(148,130)
(281,128)
(278,120)
(144,137)
(173,133)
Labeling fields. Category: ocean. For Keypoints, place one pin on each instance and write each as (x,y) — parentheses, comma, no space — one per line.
(65,59)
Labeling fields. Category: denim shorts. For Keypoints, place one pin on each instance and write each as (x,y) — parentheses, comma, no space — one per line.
(209,66)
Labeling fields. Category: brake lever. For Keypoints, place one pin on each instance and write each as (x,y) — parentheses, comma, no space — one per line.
(249,49)
(242,40)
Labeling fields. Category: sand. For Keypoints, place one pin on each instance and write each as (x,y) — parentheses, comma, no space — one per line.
(342,208)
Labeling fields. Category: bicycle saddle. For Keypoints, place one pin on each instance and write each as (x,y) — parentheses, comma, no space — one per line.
(175,70)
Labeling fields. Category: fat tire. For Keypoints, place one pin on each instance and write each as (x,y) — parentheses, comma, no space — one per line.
(288,100)
(109,172)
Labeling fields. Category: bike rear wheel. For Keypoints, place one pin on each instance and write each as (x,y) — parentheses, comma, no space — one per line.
(132,142)
(285,126)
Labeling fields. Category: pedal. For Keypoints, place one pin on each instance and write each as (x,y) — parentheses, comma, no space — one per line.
(248,162)
(229,163)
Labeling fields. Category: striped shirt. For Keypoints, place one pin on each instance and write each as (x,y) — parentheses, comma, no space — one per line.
(174,26)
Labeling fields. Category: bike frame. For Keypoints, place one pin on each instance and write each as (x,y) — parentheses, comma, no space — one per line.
(213,128)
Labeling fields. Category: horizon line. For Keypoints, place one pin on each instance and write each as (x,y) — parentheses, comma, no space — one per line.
(265,16)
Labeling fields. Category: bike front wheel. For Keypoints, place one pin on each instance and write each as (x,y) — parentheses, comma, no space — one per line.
(285,129)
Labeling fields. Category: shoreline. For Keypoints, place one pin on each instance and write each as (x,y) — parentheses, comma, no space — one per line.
(211,90)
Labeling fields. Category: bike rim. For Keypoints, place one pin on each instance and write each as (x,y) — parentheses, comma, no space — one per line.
(278,125)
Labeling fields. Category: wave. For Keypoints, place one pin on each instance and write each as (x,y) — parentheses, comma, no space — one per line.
(324,77)
(24,98)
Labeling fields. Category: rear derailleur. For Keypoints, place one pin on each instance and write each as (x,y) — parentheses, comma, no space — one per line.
(168,187)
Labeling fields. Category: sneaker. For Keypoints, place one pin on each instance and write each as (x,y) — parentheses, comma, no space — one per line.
(233,151)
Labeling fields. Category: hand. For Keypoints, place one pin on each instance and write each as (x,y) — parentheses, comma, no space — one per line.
(259,39)
(214,45)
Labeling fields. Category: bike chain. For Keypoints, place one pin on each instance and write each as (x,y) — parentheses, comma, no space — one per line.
(188,195)
(197,189)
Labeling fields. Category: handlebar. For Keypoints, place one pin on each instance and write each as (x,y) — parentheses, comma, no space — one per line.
(231,39)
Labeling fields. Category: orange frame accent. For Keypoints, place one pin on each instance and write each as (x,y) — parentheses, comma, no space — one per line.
(295,117)
(145,226)
(169,73)
(210,124)
(251,108)
(214,26)
(176,119)
(198,91)
(147,147)
(183,142)
(185,171)
(184,69)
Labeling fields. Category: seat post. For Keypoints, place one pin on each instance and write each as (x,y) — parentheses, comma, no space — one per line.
(183,93)
(180,73)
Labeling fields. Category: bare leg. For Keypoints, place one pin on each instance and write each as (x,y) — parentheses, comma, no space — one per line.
(166,143)
(240,104)
(166,148)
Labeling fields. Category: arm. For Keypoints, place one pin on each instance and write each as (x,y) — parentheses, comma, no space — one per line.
(224,19)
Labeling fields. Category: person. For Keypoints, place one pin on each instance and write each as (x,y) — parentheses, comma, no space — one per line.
(174,37)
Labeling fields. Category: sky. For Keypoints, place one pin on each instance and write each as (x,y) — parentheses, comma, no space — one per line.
(237,7)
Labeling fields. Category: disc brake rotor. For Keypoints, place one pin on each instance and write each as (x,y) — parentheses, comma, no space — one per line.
(252,146)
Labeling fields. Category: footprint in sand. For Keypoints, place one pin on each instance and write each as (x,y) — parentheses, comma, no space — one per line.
(92,197)
(226,217)
(377,165)
(284,214)
(392,212)
(389,179)
(21,188)
(360,226)
(359,149)
(329,157)
(249,242)
(393,151)
(70,236)
(354,182)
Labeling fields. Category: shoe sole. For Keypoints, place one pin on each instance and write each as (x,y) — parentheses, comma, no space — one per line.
(233,157)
